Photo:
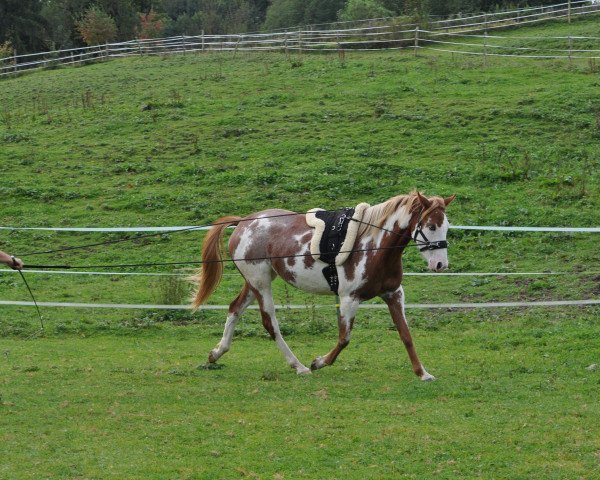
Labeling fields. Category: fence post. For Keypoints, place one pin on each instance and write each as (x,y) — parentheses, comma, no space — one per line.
(569,11)
(15,59)
(202,39)
(300,39)
(72,59)
(183,40)
(416,40)
(570,48)
(139,45)
(237,44)
(485,34)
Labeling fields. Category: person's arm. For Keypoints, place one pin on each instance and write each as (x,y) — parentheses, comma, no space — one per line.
(12,262)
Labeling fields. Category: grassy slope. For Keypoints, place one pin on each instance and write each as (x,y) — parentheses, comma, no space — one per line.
(232,135)
(517,141)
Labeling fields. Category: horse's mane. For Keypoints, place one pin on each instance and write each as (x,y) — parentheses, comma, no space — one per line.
(377,215)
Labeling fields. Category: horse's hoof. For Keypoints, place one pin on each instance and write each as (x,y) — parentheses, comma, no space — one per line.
(426,377)
(303,370)
(211,358)
(317,363)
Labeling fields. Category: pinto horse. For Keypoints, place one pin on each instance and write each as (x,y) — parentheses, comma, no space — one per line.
(276,242)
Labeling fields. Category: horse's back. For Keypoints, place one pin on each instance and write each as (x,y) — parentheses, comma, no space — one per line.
(277,241)
(269,233)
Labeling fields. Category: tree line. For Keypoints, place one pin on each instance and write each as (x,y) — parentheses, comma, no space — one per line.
(36,25)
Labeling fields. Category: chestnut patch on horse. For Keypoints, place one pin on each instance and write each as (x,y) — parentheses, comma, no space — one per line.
(309,261)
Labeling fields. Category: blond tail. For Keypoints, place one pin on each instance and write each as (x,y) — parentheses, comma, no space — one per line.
(210,272)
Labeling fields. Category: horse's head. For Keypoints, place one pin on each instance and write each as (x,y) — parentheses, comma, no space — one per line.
(430,231)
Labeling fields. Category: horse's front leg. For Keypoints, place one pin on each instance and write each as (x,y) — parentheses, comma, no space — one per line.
(395,302)
(348,307)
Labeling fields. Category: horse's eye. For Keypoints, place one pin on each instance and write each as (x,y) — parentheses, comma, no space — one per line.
(431,227)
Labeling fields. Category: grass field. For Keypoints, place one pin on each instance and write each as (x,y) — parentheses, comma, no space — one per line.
(513,399)
(182,140)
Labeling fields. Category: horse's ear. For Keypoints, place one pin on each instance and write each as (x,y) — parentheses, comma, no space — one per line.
(424,201)
(448,201)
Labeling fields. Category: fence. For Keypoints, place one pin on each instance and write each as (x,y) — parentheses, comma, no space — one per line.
(540,303)
(457,35)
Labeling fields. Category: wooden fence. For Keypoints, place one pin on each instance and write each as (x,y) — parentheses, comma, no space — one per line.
(466,35)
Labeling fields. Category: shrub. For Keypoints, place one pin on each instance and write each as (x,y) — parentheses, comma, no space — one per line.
(6,50)
(151,25)
(96,27)
(362,9)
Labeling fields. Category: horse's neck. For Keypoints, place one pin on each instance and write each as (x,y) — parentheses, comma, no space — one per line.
(395,235)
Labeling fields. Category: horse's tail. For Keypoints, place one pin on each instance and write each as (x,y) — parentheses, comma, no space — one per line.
(210,272)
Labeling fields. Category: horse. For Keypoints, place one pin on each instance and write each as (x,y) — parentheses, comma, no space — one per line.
(276,242)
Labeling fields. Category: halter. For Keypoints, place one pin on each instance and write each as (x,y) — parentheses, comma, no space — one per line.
(427,244)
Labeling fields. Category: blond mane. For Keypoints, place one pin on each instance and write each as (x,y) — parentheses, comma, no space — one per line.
(376,216)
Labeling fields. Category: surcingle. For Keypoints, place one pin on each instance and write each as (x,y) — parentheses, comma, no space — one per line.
(334,237)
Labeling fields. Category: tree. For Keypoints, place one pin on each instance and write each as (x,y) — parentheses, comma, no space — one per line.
(96,27)
(361,9)
(125,14)
(151,25)
(22,24)
(284,13)
(322,11)
(418,9)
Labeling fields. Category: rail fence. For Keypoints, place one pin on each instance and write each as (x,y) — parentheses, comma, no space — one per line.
(462,35)
(510,304)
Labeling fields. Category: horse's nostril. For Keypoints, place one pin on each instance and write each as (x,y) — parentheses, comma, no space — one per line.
(439,266)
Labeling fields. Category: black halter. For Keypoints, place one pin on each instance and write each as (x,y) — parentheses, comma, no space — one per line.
(426,245)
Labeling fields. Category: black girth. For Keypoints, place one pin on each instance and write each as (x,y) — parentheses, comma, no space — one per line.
(336,227)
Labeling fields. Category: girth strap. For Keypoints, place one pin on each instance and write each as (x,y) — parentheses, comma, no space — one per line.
(332,240)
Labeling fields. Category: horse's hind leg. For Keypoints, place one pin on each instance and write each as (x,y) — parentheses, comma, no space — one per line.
(348,307)
(236,308)
(267,311)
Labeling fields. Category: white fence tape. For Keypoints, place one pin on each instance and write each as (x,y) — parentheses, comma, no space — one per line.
(407,274)
(192,228)
(107,229)
(555,303)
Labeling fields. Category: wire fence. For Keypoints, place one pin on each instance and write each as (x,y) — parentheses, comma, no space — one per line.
(182,273)
(461,35)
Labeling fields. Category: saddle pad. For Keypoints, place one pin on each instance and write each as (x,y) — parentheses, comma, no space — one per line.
(327,247)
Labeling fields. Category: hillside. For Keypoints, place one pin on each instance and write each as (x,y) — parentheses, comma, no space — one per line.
(182,140)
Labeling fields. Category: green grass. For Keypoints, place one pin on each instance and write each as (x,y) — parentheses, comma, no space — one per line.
(513,399)
(115,394)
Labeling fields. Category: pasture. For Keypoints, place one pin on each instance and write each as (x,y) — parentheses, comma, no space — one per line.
(182,140)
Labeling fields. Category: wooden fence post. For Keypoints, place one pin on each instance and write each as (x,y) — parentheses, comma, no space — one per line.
(15,59)
(485,34)
(416,40)
(569,11)
(237,44)
(183,41)
(202,39)
(570,48)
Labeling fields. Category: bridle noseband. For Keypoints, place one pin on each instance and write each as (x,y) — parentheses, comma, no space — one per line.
(427,244)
